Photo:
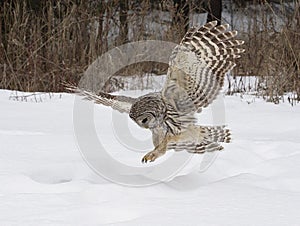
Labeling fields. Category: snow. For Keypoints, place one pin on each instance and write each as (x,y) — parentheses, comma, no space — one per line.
(45,181)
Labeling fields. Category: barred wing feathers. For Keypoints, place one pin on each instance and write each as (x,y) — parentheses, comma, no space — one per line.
(117,102)
(198,65)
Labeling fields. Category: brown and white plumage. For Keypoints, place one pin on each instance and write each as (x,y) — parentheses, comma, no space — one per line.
(119,103)
(199,63)
(195,76)
(200,139)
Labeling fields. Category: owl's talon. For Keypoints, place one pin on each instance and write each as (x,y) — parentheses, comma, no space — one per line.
(150,157)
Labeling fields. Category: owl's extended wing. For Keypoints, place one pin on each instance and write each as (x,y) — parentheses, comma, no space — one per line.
(198,64)
(117,102)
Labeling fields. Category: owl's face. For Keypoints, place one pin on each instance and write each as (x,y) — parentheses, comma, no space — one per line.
(147,111)
(146,120)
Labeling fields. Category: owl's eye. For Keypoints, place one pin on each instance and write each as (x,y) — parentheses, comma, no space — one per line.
(144,120)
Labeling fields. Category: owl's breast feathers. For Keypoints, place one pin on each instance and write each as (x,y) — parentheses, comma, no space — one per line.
(177,121)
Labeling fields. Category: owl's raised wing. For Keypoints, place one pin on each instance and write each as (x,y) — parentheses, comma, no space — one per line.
(117,102)
(197,66)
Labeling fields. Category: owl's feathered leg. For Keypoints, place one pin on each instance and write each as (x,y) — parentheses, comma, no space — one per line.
(160,149)
(195,139)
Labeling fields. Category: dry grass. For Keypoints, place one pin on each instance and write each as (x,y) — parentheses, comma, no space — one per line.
(272,51)
(38,47)
(42,47)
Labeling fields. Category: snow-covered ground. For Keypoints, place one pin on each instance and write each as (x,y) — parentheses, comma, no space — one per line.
(45,181)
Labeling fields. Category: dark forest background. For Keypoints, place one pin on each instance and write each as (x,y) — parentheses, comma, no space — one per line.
(44,43)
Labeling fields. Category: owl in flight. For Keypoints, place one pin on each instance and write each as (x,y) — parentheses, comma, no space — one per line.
(197,67)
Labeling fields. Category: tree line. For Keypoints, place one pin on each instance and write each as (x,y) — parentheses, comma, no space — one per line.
(46,42)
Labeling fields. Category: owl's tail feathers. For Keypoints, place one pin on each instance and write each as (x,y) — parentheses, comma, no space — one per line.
(206,146)
(209,140)
(212,136)
(216,134)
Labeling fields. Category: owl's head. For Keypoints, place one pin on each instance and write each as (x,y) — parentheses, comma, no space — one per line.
(147,111)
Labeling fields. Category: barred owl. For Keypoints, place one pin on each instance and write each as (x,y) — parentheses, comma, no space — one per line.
(195,76)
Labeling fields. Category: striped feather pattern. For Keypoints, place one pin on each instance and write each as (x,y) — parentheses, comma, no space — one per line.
(119,103)
(202,139)
(200,148)
(198,65)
